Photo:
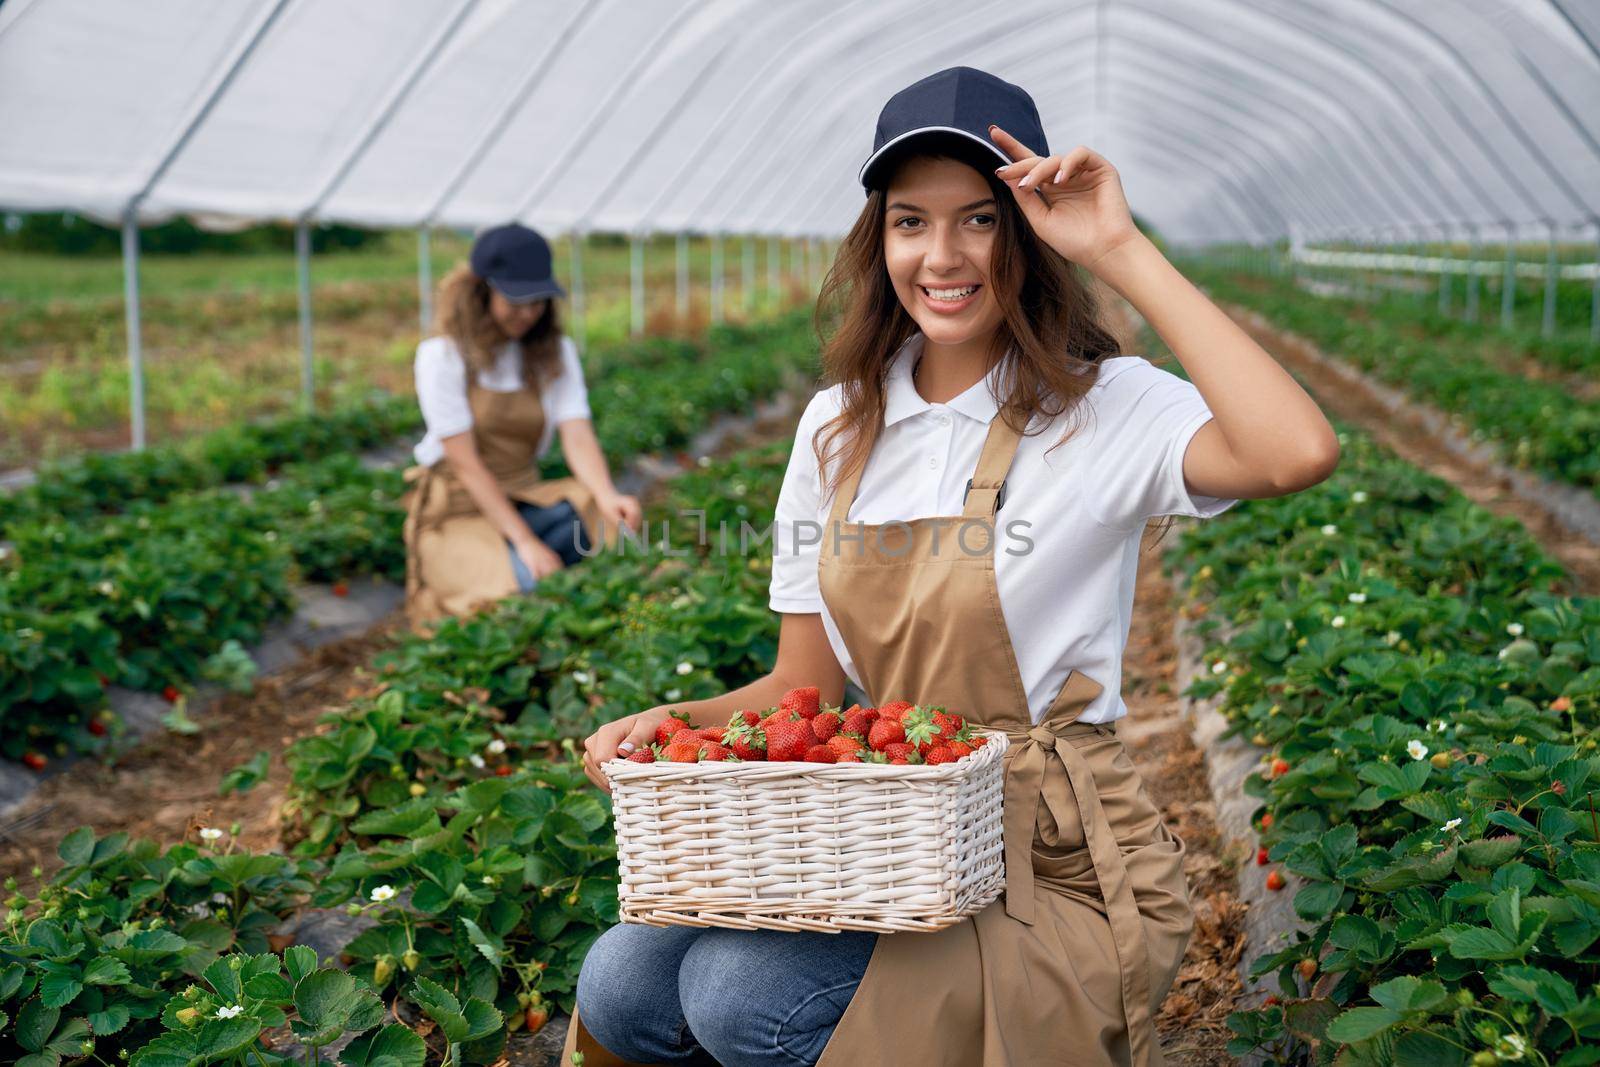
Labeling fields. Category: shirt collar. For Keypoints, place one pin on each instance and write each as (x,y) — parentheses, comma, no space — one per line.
(978,402)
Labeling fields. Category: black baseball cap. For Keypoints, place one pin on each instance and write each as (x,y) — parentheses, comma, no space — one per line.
(516,262)
(952,110)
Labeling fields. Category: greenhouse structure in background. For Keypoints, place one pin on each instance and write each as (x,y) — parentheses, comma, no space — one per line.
(1361,141)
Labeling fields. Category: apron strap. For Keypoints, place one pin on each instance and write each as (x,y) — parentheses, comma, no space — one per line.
(999,449)
(1023,792)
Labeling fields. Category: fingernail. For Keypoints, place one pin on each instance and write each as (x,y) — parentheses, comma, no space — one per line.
(998,169)
(626,746)
(992,126)
(1024,182)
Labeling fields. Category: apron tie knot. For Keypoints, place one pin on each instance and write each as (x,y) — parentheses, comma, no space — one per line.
(1043,737)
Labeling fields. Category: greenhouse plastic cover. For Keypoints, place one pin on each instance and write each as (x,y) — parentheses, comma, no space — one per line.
(1227,119)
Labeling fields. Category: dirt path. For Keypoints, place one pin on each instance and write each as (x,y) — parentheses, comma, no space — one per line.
(1412,441)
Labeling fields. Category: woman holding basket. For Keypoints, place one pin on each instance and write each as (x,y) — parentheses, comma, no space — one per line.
(972,384)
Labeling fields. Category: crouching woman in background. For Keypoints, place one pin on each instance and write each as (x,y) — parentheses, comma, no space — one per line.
(495,386)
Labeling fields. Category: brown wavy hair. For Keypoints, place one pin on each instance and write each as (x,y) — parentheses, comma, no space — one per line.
(1052,319)
(463,316)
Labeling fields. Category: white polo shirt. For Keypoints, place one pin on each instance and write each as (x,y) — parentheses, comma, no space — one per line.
(441,376)
(1067,599)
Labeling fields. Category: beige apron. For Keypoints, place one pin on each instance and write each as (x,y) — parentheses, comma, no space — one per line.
(1072,965)
(456,559)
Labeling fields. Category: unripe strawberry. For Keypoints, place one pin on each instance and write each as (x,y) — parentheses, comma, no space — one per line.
(1308,969)
(535,1018)
(410,959)
(1561,704)
(1441,761)
(417,789)
(382,969)
(187,1016)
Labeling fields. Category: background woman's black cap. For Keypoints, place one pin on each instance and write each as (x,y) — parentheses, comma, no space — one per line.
(954,107)
(516,262)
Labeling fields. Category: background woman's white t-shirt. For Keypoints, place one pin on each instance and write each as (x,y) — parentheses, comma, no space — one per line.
(441,376)
(1068,599)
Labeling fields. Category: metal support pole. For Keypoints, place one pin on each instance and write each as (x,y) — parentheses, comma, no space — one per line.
(683,278)
(797,266)
(425,280)
(747,278)
(1547,328)
(575,248)
(1508,285)
(636,277)
(1473,252)
(1594,298)
(774,298)
(1444,275)
(716,277)
(130,309)
(302,255)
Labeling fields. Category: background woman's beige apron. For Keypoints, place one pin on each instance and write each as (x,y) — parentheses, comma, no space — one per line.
(1071,965)
(456,559)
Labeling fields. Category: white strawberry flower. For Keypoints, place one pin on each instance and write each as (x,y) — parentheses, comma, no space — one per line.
(1338,622)
(476,760)
(105,588)
(210,833)
(228,1011)
(1357,598)
(1416,749)
(382,893)
(685,667)
(1451,825)
(674,694)
(1437,726)
(1359,496)
(1288,624)
(1329,530)
(1514,629)
(582,677)
(1219,666)
(219,898)
(1392,638)
(271,535)
(496,747)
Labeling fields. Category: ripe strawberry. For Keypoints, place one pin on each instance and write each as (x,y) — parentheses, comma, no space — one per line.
(979,740)
(821,754)
(1266,821)
(842,743)
(711,752)
(899,750)
(341,589)
(787,740)
(807,701)
(885,732)
(1280,767)
(894,709)
(825,724)
(1275,881)
(676,721)
(751,718)
(104,681)
(713,733)
(170,694)
(643,755)
(505,770)
(748,742)
(33,761)
(899,762)
(920,729)
(1261,857)
(534,1017)
(961,749)
(938,754)
(853,756)
(687,751)
(97,727)
(859,720)
(1561,704)
(948,724)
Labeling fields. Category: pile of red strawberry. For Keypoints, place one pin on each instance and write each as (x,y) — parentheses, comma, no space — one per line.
(801,729)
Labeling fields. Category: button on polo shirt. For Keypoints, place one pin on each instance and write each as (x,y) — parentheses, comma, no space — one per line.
(1066,571)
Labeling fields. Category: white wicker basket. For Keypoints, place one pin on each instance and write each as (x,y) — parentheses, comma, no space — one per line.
(809,846)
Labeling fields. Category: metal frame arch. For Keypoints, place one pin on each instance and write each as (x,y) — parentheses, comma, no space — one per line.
(1224,53)
(1401,106)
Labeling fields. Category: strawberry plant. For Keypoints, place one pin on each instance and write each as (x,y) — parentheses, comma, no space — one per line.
(1426,701)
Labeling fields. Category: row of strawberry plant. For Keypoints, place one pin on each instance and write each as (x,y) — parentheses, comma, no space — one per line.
(104,482)
(1426,701)
(1538,425)
(486,871)
(141,598)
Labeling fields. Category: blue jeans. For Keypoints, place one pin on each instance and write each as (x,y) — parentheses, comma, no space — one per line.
(739,998)
(559,527)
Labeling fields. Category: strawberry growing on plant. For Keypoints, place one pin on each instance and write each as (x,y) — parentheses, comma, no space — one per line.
(171,694)
(33,761)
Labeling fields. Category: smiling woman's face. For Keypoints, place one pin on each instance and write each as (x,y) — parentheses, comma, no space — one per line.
(939,228)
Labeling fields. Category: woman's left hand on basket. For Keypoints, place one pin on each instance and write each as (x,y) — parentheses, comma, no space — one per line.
(619,510)
(606,743)
(1074,202)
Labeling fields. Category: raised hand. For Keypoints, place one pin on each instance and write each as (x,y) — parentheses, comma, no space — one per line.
(1073,202)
